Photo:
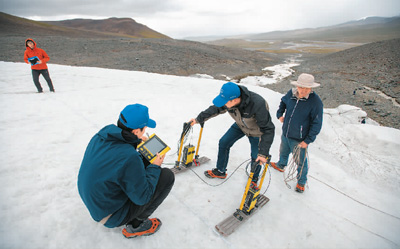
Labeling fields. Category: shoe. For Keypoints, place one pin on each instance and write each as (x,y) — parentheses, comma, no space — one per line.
(215,173)
(148,227)
(277,167)
(53,90)
(300,188)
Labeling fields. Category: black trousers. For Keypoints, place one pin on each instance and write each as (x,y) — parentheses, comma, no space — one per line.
(164,186)
(46,76)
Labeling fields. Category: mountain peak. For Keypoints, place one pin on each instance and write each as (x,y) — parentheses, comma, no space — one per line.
(121,26)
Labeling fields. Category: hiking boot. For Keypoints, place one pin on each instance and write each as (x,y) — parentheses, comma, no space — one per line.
(148,227)
(300,188)
(277,167)
(215,173)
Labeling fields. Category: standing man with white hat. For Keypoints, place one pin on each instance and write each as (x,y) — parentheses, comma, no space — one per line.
(301,112)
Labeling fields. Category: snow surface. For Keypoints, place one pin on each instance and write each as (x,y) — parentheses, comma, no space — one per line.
(352,198)
(274,73)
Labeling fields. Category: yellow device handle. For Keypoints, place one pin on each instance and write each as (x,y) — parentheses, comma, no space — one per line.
(246,190)
(198,143)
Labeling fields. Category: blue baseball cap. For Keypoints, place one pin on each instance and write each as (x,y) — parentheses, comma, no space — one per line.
(136,116)
(228,92)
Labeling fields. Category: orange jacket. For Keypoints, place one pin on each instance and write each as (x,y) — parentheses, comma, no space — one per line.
(40,53)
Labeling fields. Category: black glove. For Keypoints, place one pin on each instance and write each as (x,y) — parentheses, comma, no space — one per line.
(33,61)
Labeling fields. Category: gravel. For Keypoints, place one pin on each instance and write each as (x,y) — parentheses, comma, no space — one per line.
(354,76)
(347,77)
(165,56)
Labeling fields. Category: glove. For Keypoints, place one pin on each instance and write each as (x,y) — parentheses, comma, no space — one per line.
(33,61)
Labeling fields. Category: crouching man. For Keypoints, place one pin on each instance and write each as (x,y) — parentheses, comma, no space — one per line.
(118,186)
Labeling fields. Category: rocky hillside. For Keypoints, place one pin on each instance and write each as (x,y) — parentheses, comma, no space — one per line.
(76,47)
(121,26)
(356,76)
(16,26)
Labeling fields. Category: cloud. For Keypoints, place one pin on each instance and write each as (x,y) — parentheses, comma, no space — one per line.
(101,8)
(180,18)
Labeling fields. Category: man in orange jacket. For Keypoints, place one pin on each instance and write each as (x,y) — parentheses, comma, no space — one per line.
(37,57)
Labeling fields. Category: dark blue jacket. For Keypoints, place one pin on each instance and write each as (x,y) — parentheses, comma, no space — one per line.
(303,117)
(112,174)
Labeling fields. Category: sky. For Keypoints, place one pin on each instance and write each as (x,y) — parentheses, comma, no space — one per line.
(351,199)
(188,18)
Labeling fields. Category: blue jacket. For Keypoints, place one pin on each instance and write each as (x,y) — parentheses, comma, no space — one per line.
(303,118)
(112,175)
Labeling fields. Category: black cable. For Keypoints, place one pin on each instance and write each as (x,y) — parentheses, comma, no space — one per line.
(249,163)
(187,128)
(224,180)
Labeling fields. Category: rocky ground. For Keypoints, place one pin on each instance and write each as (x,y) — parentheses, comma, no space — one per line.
(165,56)
(352,77)
(345,76)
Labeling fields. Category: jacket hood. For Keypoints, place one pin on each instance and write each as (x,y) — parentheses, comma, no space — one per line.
(114,133)
(244,94)
(30,39)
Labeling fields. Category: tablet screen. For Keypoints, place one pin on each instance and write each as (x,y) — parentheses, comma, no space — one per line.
(154,145)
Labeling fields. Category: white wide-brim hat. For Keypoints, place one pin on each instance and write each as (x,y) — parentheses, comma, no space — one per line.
(305,80)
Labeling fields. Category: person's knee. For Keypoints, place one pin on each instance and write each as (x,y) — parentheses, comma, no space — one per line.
(224,143)
(167,176)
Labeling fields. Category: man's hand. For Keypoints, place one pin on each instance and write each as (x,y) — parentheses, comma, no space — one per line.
(303,145)
(159,159)
(261,159)
(281,119)
(193,121)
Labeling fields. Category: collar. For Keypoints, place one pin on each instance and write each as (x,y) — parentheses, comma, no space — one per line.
(296,94)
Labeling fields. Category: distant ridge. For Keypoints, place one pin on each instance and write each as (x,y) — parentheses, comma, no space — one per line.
(16,26)
(120,26)
(366,30)
(112,27)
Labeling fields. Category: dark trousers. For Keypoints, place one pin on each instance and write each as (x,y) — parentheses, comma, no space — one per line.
(164,186)
(46,76)
(226,142)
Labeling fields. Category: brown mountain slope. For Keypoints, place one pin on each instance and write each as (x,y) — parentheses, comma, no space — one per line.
(17,26)
(76,47)
(121,26)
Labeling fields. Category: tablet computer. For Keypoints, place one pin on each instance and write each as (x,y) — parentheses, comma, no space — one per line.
(33,60)
(151,147)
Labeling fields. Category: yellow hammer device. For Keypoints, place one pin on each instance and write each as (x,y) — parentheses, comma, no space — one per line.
(252,201)
(252,192)
(151,147)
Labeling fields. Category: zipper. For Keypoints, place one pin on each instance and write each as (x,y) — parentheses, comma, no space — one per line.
(244,123)
(287,132)
(301,131)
